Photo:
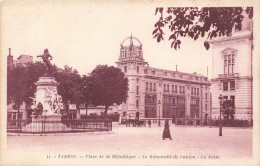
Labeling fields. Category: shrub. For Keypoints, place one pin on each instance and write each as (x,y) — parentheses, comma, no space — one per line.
(230,123)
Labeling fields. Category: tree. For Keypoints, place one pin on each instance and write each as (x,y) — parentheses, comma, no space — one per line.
(87,84)
(70,87)
(16,93)
(194,22)
(228,109)
(21,87)
(107,85)
(20,84)
(33,72)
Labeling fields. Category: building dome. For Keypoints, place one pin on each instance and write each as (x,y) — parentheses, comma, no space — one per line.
(131,47)
(131,41)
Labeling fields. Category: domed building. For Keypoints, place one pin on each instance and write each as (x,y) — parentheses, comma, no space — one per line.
(159,94)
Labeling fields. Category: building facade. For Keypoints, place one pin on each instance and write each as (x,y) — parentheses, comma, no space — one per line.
(21,60)
(232,71)
(157,93)
(24,59)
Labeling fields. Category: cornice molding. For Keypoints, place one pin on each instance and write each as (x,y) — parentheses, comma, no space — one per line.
(228,39)
(177,80)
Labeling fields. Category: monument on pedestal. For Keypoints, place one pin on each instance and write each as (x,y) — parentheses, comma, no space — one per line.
(47,103)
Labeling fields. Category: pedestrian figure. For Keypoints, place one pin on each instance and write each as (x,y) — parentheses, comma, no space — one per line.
(136,122)
(149,123)
(166,131)
(127,123)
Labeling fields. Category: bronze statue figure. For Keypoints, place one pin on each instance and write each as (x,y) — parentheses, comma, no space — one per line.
(46,57)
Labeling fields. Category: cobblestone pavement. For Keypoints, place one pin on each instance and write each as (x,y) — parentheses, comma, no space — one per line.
(188,141)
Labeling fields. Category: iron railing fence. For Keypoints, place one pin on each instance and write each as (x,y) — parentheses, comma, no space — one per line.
(89,124)
(189,121)
(213,122)
(43,126)
(16,125)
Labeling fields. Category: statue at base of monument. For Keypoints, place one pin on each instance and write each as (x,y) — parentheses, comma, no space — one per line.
(46,57)
(52,101)
(38,110)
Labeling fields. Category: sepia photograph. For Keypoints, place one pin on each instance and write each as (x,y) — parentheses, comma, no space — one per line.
(129,82)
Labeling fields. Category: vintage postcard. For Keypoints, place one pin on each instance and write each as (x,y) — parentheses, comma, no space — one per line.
(104,82)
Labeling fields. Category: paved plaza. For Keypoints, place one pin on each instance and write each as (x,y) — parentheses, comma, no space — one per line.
(123,142)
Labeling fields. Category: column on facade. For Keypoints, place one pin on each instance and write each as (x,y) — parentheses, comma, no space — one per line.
(187,101)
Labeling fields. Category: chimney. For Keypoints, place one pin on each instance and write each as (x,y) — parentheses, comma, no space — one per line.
(9,51)
(10,61)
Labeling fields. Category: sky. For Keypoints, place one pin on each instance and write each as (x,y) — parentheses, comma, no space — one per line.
(84,34)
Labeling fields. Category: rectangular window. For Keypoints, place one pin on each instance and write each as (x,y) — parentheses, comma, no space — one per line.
(206,107)
(198,91)
(176,90)
(181,101)
(137,103)
(125,69)
(168,88)
(154,86)
(183,89)
(191,90)
(229,63)
(225,86)
(206,96)
(194,101)
(180,89)
(137,90)
(146,87)
(172,88)
(232,85)
(137,69)
(151,86)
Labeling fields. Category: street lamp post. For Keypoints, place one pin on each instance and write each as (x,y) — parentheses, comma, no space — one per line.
(220,98)
(18,117)
(159,123)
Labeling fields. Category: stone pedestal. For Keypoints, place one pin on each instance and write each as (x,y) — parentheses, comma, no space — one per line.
(46,123)
(46,95)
